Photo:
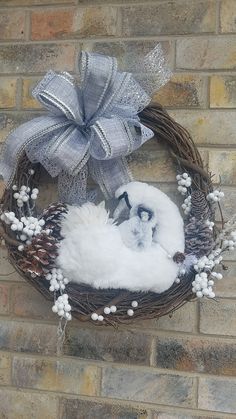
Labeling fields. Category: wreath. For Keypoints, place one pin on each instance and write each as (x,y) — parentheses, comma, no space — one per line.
(147,259)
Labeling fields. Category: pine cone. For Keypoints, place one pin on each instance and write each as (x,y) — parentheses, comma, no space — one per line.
(52,217)
(200,207)
(43,250)
(40,254)
(198,238)
(179,257)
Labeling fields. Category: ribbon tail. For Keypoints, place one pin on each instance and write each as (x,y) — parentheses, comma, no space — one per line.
(110,174)
(72,190)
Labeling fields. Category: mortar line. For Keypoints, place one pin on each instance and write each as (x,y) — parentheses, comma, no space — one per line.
(19,93)
(122,402)
(153,351)
(179,71)
(88,4)
(197,392)
(114,39)
(128,328)
(207,87)
(198,317)
(119,366)
(217,22)
(27,26)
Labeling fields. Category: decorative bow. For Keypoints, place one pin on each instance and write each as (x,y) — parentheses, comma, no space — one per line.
(93,125)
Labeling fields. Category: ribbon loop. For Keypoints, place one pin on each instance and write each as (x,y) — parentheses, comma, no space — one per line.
(59,95)
(95,122)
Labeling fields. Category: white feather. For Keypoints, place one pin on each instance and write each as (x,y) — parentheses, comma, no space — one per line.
(96,252)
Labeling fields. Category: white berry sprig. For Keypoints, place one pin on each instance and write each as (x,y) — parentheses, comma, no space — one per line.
(25,227)
(62,307)
(107,310)
(215,196)
(210,224)
(184,182)
(130,311)
(205,276)
(230,243)
(57,280)
(25,195)
(187,205)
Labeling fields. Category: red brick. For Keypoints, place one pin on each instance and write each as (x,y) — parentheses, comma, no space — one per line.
(17,404)
(12,25)
(7,93)
(210,356)
(36,2)
(182,91)
(226,287)
(148,386)
(68,23)
(4,298)
(5,370)
(63,375)
(36,58)
(218,318)
(8,272)
(155,166)
(223,165)
(223,92)
(228,16)
(27,302)
(217,395)
(169,17)
(28,337)
(182,320)
(228,205)
(208,127)
(28,102)
(51,24)
(85,409)
(108,345)
(205,54)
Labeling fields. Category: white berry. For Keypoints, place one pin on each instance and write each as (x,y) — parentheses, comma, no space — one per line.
(113,309)
(107,310)
(94,316)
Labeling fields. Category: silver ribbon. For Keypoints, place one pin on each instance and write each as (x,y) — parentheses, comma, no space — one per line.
(89,128)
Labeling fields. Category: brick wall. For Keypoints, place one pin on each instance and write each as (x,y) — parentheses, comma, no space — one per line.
(179,367)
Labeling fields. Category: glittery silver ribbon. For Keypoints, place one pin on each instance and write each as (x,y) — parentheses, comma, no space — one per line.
(90,127)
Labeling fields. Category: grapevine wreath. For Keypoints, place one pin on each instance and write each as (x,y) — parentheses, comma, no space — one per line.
(109,269)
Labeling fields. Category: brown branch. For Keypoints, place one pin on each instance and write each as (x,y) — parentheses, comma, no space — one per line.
(9,240)
(85,299)
(100,310)
(190,165)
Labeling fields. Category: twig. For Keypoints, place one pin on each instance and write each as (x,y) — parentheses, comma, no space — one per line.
(8,239)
